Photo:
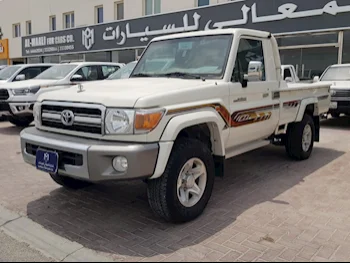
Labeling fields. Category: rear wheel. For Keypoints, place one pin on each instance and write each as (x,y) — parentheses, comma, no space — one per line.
(21,121)
(183,191)
(69,182)
(300,138)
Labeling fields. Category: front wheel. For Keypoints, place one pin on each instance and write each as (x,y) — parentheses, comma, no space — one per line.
(68,182)
(183,191)
(21,121)
(300,138)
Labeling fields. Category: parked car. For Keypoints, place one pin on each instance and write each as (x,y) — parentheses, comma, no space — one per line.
(175,126)
(289,74)
(339,77)
(124,72)
(22,72)
(17,99)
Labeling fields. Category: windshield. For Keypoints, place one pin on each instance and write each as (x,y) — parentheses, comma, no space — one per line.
(124,72)
(337,74)
(57,72)
(8,72)
(203,56)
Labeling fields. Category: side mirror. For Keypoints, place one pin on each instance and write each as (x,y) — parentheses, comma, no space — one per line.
(289,79)
(20,77)
(255,71)
(77,78)
(316,79)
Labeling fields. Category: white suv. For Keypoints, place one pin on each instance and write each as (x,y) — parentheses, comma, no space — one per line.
(17,99)
(22,72)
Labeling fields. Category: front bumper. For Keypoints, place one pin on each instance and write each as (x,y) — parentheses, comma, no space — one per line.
(16,108)
(343,105)
(91,160)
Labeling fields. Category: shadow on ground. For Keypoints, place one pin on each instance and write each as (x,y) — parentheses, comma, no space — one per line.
(115,218)
(342,122)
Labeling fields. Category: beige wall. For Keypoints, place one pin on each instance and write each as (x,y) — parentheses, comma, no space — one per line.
(39,11)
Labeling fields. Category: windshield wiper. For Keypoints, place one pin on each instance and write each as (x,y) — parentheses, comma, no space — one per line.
(183,75)
(142,75)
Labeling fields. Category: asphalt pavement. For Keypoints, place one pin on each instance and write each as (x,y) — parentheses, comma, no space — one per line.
(14,251)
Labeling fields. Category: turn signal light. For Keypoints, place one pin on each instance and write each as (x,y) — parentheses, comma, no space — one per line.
(147,121)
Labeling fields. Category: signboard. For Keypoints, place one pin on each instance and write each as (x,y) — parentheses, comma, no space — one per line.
(4,49)
(276,16)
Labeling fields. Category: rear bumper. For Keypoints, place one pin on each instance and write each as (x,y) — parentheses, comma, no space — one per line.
(91,160)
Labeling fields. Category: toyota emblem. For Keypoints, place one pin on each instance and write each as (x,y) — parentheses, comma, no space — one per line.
(67,117)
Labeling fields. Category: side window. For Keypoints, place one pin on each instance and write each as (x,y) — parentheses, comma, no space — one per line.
(31,72)
(89,73)
(44,68)
(108,70)
(248,50)
(287,73)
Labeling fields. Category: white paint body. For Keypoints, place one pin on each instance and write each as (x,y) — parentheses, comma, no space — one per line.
(170,94)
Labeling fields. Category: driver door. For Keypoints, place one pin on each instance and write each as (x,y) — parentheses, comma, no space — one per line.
(254,111)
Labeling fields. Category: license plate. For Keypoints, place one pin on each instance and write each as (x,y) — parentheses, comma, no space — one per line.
(333,105)
(46,161)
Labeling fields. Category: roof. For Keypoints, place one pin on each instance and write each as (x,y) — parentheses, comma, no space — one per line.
(232,31)
(92,63)
(340,65)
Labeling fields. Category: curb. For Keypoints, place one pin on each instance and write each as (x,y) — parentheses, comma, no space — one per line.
(49,244)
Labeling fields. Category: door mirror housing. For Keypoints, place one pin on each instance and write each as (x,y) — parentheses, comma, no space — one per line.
(316,79)
(255,73)
(20,77)
(77,78)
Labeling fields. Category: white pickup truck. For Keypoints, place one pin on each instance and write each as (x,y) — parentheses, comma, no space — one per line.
(175,126)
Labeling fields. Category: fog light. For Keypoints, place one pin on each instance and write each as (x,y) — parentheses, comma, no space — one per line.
(120,163)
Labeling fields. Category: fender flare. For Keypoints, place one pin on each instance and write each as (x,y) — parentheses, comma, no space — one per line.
(303,105)
(180,122)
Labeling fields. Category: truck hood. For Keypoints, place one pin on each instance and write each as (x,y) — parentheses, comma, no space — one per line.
(2,81)
(123,92)
(28,83)
(340,84)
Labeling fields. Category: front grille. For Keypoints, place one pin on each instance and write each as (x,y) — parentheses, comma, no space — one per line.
(4,94)
(86,119)
(64,157)
(341,93)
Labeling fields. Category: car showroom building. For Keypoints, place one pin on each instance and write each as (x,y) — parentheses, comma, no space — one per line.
(311,34)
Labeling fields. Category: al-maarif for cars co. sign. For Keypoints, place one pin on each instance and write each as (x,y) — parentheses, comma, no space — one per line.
(276,16)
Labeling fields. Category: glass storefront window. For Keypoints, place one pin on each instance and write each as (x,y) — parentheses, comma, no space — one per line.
(126,56)
(52,59)
(309,62)
(34,60)
(72,57)
(298,40)
(346,47)
(98,57)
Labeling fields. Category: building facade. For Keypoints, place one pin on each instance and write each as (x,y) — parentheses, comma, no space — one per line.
(311,34)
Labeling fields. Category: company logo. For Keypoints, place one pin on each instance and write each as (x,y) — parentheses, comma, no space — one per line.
(67,117)
(46,157)
(88,38)
(2,49)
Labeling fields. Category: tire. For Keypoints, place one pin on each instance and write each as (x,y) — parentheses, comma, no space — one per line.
(68,182)
(21,121)
(163,193)
(294,145)
(335,115)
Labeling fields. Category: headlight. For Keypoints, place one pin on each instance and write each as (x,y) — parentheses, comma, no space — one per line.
(333,92)
(36,114)
(25,91)
(119,121)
